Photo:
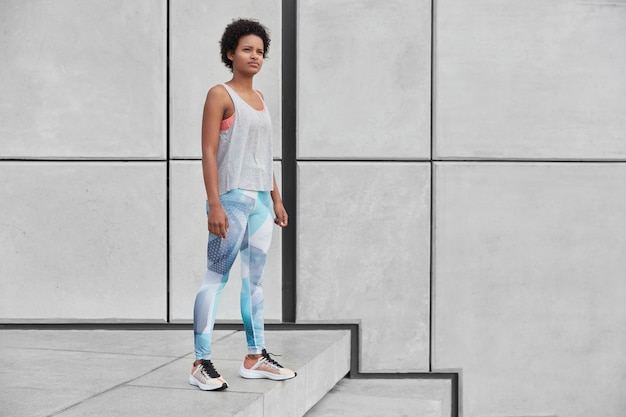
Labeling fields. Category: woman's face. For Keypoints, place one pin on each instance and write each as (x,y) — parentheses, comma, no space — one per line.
(248,56)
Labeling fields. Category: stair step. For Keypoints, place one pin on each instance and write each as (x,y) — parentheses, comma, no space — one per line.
(129,373)
(386,397)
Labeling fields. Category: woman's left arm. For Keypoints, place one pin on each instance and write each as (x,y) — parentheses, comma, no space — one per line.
(281,214)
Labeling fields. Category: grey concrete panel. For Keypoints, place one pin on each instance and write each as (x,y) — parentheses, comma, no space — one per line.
(64,379)
(131,400)
(188,245)
(334,364)
(83,79)
(196,27)
(363,254)
(528,286)
(83,241)
(364,79)
(531,79)
(386,397)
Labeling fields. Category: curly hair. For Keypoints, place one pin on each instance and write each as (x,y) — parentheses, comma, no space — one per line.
(238,29)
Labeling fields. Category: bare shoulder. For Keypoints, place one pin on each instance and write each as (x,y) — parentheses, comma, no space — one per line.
(261,94)
(218,93)
(219,100)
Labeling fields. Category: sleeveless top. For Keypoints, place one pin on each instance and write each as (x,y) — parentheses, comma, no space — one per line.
(244,153)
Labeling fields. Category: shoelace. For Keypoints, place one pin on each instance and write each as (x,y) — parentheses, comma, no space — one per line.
(208,369)
(271,361)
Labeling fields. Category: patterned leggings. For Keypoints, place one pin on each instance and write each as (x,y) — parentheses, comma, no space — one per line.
(250,220)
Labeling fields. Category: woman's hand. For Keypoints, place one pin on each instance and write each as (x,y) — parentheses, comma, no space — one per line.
(281,215)
(218,222)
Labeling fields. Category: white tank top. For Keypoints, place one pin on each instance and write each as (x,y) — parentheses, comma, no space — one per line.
(244,153)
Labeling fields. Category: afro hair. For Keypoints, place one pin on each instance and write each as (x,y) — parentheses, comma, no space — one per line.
(238,29)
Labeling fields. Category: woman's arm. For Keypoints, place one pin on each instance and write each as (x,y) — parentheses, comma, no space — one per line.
(216,105)
(279,209)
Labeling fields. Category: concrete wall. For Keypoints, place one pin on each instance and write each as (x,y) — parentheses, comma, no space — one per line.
(363,229)
(528,256)
(498,192)
(529,286)
(83,79)
(85,84)
(529,80)
(84,236)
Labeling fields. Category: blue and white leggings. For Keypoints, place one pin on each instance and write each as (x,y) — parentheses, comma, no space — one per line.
(250,221)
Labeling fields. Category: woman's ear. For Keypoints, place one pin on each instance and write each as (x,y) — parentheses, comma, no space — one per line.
(229,55)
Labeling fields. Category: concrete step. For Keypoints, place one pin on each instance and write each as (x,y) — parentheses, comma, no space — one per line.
(387,397)
(71,373)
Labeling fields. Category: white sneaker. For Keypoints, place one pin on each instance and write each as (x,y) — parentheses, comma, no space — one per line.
(266,367)
(205,377)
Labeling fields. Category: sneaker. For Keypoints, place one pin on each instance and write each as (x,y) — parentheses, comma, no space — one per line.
(266,367)
(205,377)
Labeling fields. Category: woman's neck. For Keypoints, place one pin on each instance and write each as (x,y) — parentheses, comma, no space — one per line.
(241,83)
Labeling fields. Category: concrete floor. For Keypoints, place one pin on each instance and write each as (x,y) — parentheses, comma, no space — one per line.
(67,373)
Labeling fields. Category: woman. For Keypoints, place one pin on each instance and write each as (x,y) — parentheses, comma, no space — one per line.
(241,194)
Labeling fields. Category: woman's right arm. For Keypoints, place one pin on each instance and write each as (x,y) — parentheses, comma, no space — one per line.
(215,106)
